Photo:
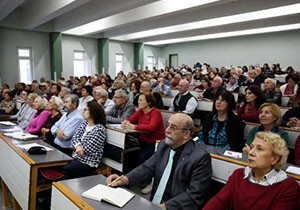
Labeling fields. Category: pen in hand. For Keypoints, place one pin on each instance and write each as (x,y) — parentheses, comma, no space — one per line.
(116,180)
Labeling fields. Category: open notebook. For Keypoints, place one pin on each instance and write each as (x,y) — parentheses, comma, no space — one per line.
(115,196)
(21,136)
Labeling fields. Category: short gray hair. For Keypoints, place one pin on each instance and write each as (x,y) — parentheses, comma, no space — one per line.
(59,102)
(101,91)
(122,93)
(74,99)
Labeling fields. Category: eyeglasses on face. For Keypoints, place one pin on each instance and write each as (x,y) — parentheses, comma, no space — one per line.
(174,127)
(117,97)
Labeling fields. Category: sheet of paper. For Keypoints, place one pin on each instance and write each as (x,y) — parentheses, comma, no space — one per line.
(7,123)
(26,147)
(11,130)
(293,170)
(233,154)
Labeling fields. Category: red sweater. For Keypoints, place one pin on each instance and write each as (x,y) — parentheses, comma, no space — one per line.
(252,117)
(151,122)
(240,194)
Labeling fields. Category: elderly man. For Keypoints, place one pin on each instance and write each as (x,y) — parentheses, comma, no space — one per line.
(101,96)
(146,87)
(180,167)
(272,94)
(184,101)
(215,89)
(122,109)
(66,126)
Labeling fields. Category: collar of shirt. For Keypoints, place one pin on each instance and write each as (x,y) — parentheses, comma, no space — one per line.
(270,178)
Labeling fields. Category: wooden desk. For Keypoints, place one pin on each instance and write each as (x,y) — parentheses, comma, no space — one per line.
(116,136)
(224,166)
(19,170)
(67,195)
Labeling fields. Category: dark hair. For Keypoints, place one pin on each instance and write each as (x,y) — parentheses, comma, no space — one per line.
(88,89)
(96,112)
(10,94)
(261,98)
(149,98)
(206,79)
(137,84)
(58,87)
(228,97)
(292,76)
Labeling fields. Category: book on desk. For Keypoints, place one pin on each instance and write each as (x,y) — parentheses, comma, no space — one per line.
(115,196)
(21,136)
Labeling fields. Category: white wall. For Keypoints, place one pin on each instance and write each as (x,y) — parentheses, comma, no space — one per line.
(127,49)
(281,47)
(73,43)
(10,39)
(154,51)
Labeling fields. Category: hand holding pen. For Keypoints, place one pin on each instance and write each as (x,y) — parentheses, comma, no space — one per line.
(115,180)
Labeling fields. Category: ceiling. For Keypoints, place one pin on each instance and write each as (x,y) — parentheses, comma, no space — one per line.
(121,19)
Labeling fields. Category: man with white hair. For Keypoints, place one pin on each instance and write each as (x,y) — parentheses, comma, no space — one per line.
(101,96)
(215,89)
(272,94)
(122,109)
(64,92)
(184,101)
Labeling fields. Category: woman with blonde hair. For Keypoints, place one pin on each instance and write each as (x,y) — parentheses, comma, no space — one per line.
(270,120)
(262,184)
(40,117)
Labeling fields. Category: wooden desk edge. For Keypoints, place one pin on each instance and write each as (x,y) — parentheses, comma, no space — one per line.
(72,196)
(17,150)
(242,163)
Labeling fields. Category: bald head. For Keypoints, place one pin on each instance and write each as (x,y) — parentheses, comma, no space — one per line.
(179,130)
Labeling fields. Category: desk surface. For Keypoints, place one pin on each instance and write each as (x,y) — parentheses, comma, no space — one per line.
(53,155)
(73,189)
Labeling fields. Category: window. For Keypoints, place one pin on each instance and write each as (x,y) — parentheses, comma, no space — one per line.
(81,64)
(150,62)
(25,65)
(119,63)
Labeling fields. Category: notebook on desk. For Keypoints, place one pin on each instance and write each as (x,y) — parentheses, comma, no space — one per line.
(21,136)
(115,196)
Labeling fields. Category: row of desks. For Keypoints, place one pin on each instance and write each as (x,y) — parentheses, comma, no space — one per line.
(20,171)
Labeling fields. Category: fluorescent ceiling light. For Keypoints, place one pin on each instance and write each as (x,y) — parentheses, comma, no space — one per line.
(227,34)
(157,8)
(249,16)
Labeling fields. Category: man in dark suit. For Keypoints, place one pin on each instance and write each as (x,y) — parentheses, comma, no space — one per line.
(188,183)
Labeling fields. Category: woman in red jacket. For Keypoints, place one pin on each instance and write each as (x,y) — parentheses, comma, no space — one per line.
(148,119)
(262,184)
(249,111)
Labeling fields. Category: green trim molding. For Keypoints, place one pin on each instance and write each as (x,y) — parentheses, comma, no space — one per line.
(103,52)
(138,56)
(56,55)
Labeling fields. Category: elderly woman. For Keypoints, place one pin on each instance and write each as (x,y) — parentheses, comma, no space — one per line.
(7,105)
(26,112)
(232,85)
(270,119)
(217,128)
(149,119)
(54,106)
(249,111)
(262,184)
(88,142)
(40,117)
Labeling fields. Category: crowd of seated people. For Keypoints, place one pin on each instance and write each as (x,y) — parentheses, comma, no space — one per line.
(134,102)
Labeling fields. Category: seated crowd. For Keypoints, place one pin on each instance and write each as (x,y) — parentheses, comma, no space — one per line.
(71,115)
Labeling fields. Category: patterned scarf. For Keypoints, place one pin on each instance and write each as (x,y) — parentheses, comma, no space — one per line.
(217,136)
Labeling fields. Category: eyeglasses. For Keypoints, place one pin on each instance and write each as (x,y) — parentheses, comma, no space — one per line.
(117,97)
(174,127)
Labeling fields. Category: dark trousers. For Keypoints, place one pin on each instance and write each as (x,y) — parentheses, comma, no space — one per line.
(77,169)
(145,153)
(67,151)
